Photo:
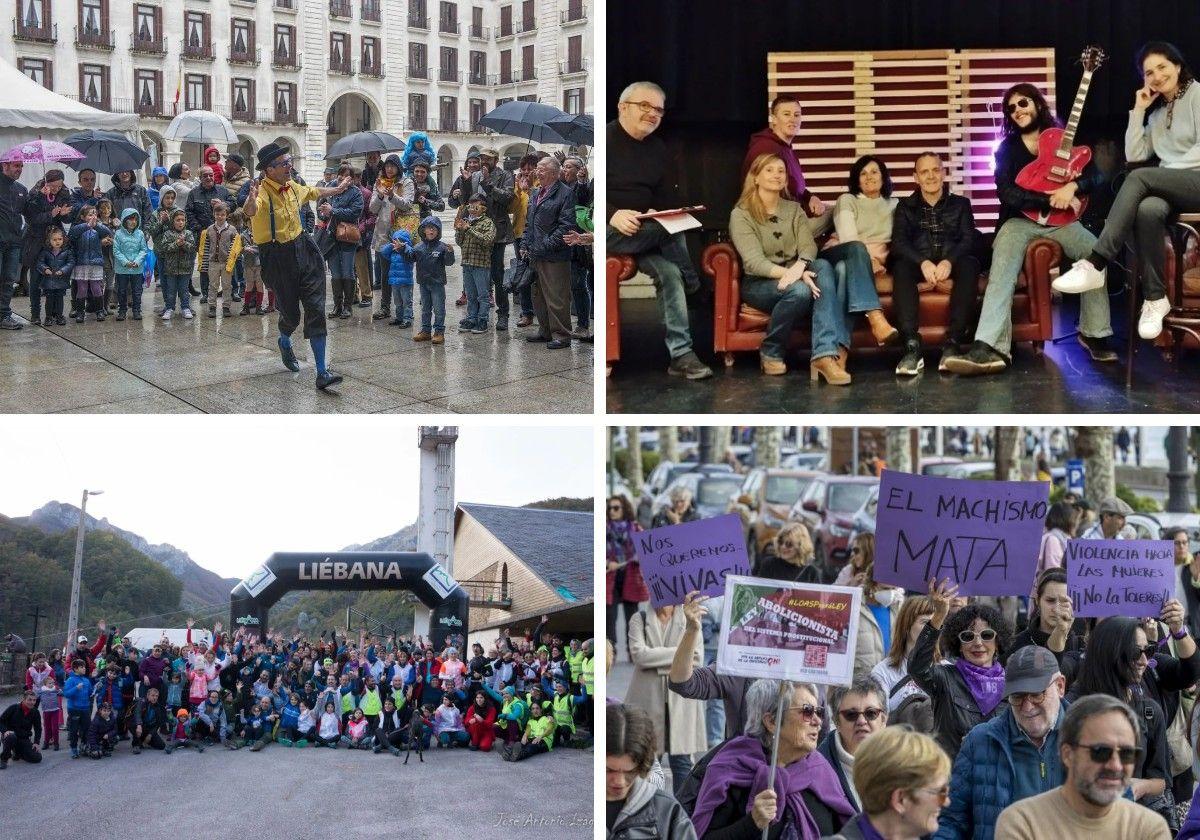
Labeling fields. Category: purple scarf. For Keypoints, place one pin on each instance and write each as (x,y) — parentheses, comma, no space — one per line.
(743,763)
(620,541)
(985,684)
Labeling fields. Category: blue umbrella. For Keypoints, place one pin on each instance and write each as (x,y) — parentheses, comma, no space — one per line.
(577,129)
(107,152)
(526,120)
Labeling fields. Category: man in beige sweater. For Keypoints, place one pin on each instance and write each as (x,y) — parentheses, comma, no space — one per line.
(1099,748)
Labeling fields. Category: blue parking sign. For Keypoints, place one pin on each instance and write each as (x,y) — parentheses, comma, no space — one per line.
(1075,473)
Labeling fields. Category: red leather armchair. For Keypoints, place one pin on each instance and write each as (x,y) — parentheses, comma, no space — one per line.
(617,269)
(742,327)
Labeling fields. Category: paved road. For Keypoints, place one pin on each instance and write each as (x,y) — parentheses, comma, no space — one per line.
(301,794)
(231,365)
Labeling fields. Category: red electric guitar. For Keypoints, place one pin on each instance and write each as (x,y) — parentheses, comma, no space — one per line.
(1058,162)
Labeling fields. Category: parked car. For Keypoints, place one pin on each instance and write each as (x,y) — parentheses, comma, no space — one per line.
(977,470)
(711,493)
(863,520)
(827,507)
(1150,526)
(661,477)
(818,461)
(938,465)
(764,502)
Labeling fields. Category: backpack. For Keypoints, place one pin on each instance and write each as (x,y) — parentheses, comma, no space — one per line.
(916,710)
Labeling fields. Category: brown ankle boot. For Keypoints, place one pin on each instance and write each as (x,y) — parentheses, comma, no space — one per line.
(842,355)
(883,332)
(771,366)
(827,367)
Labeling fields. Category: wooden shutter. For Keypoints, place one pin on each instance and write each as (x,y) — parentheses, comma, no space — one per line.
(159,105)
(252,47)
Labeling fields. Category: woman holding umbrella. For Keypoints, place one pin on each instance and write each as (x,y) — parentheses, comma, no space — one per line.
(48,206)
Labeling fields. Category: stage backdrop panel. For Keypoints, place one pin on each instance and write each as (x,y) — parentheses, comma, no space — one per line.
(899,103)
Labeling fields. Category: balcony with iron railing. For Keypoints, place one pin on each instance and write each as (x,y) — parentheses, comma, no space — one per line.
(196,52)
(251,57)
(488,594)
(154,110)
(572,68)
(153,45)
(480,79)
(95,39)
(418,72)
(449,27)
(46,34)
(344,68)
(286,62)
(245,115)
(525,74)
(285,5)
(576,12)
(418,22)
(340,9)
(243,2)
(273,116)
(479,33)
(370,12)
(375,71)
(516,27)
(449,74)
(416,123)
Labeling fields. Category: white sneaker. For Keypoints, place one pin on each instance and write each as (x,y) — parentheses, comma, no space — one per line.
(1083,277)
(187,314)
(1150,321)
(167,315)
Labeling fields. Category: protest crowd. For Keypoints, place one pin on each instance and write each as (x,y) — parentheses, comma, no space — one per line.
(523,697)
(959,717)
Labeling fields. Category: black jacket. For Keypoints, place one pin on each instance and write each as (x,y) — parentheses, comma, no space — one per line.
(199,207)
(150,716)
(38,222)
(955,711)
(13,195)
(134,196)
(828,748)
(914,218)
(27,726)
(1011,158)
(650,814)
(771,566)
(1191,600)
(548,221)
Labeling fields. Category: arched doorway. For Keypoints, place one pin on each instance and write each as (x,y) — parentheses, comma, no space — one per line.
(191,154)
(247,150)
(350,112)
(510,156)
(447,169)
(154,144)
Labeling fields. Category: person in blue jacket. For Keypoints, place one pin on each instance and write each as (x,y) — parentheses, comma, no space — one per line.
(108,690)
(158,180)
(399,254)
(78,694)
(417,148)
(431,256)
(1012,756)
(129,258)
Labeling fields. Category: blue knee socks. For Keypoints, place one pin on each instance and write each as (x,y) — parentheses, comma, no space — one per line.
(318,350)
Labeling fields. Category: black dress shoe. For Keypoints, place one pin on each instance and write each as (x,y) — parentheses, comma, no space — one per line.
(326,379)
(1097,348)
(537,338)
(558,344)
(289,357)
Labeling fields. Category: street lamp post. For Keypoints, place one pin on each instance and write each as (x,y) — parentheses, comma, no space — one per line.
(77,574)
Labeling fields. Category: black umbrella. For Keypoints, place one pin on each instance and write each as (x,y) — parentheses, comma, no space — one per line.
(107,152)
(526,120)
(362,142)
(577,129)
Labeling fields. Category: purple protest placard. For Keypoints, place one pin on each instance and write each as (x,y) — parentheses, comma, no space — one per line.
(982,535)
(1119,577)
(677,559)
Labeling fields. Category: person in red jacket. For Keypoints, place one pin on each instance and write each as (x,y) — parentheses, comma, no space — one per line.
(212,157)
(89,654)
(776,139)
(481,716)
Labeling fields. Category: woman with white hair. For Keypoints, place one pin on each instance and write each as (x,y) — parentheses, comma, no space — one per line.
(806,801)
(679,510)
(452,668)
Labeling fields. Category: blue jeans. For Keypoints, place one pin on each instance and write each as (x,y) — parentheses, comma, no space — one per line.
(581,301)
(459,737)
(433,307)
(129,291)
(681,765)
(10,273)
(664,257)
(402,301)
(173,286)
(855,284)
(789,307)
(477,281)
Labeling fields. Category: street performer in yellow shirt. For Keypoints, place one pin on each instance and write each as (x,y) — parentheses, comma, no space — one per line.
(292,265)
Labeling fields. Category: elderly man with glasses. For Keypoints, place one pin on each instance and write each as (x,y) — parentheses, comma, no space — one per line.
(638,181)
(1013,756)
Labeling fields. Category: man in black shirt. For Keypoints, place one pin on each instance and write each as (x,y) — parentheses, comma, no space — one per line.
(20,728)
(13,196)
(637,172)
(933,236)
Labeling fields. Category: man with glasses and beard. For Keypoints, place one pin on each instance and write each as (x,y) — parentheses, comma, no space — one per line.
(859,710)
(1026,116)
(1012,756)
(1098,748)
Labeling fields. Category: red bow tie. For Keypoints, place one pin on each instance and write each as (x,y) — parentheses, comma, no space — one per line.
(285,187)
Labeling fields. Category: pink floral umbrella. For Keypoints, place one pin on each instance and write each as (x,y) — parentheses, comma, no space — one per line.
(39,151)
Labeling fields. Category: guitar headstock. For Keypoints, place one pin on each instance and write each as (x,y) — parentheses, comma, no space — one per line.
(1092,57)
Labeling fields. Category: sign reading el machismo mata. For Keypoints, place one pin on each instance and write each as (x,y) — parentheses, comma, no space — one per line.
(788,631)
(1119,577)
(677,559)
(982,535)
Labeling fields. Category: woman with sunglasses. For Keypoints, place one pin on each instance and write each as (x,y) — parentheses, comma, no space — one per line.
(624,585)
(1116,662)
(789,556)
(859,710)
(807,801)
(969,689)
(862,555)
(877,615)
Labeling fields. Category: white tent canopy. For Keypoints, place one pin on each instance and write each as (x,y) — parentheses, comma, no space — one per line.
(28,106)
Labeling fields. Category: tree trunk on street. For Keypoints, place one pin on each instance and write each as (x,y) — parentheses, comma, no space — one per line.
(766,446)
(1094,445)
(714,443)
(634,461)
(668,443)
(1177,470)
(899,454)
(1008,453)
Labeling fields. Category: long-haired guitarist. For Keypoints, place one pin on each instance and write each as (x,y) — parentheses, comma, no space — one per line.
(1026,116)
(1164,122)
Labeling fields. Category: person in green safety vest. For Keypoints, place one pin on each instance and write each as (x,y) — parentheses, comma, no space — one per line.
(563,705)
(538,737)
(575,657)
(371,703)
(587,684)
(511,719)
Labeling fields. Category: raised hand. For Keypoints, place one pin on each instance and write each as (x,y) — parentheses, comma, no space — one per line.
(941,593)
(1143,98)
(694,609)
